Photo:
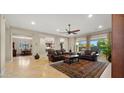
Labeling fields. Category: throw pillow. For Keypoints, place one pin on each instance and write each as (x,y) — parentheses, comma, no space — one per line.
(93,53)
(82,52)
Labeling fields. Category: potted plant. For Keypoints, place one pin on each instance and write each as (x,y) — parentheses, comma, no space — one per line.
(105,47)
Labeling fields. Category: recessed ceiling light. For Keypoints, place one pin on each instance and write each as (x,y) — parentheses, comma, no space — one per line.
(100,26)
(90,15)
(58,30)
(77,43)
(33,23)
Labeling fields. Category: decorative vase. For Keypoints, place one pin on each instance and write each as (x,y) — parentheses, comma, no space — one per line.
(37,56)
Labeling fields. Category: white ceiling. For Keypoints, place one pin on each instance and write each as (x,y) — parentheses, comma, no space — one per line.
(50,22)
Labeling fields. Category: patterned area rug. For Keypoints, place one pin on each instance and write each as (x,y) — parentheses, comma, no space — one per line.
(81,69)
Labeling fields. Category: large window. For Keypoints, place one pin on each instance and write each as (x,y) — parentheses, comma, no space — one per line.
(94,39)
(81,43)
(93,43)
(24,46)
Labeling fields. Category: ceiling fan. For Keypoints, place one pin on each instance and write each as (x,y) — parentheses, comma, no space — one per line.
(69,31)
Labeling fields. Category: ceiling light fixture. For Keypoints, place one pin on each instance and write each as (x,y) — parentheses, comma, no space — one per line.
(62,40)
(33,23)
(100,26)
(90,15)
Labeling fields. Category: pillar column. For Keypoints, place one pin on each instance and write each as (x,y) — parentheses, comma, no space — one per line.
(8,44)
(2,45)
(118,46)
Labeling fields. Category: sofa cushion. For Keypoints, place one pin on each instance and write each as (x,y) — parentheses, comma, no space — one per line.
(82,52)
(87,52)
(59,52)
(55,53)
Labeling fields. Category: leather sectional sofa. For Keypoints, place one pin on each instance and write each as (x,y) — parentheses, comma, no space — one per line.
(55,55)
(89,55)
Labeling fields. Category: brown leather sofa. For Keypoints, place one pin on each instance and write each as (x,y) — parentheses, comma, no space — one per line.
(89,55)
(55,55)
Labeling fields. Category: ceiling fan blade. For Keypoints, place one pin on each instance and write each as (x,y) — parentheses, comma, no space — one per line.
(74,33)
(75,30)
(69,32)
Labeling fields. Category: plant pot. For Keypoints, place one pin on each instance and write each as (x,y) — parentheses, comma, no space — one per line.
(37,56)
(109,58)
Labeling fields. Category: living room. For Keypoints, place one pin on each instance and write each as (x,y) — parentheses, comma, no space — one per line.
(66,46)
(50,32)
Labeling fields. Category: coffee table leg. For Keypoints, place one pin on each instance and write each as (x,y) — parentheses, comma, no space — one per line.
(78,59)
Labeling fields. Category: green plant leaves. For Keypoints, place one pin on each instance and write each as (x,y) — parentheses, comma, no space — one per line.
(104,46)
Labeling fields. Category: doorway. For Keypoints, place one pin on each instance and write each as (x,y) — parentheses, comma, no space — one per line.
(22,45)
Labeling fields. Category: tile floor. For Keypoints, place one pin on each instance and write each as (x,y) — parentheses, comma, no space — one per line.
(28,67)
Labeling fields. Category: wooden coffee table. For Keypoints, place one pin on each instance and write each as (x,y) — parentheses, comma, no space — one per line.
(71,59)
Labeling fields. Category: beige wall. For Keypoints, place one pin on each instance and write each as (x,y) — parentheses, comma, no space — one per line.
(37,45)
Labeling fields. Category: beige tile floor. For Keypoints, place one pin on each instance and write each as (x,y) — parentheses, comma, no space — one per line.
(27,67)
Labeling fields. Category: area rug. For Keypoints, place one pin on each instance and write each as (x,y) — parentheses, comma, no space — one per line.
(81,69)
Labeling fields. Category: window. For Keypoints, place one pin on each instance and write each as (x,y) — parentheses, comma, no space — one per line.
(93,43)
(80,44)
(24,45)
(94,39)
